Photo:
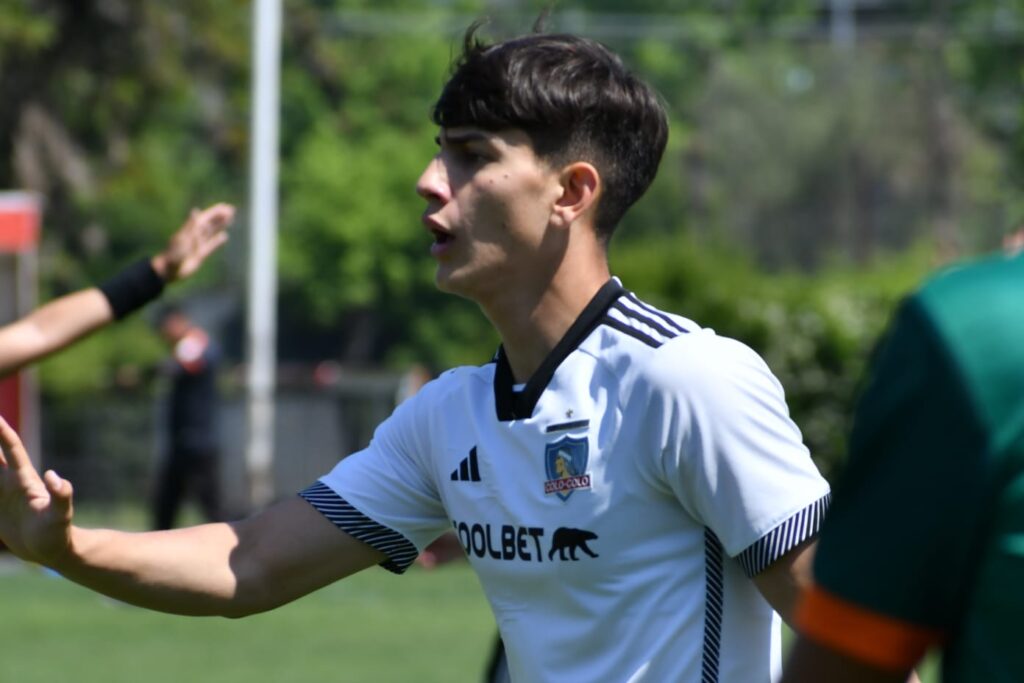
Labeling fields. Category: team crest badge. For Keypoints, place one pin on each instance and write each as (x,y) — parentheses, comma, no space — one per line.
(565,462)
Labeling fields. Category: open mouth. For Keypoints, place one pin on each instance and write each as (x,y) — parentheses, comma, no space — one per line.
(441,237)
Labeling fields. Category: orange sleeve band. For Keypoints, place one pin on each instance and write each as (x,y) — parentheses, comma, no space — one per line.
(870,637)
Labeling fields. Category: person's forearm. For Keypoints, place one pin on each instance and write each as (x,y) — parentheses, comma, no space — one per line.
(52,327)
(70,318)
(782,581)
(181,571)
(63,321)
(232,570)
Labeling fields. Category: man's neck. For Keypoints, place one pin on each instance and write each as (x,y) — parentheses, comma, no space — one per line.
(532,322)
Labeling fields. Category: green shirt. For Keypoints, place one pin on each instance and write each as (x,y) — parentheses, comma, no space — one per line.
(927,525)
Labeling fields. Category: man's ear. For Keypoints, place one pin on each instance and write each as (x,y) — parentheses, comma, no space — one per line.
(581,187)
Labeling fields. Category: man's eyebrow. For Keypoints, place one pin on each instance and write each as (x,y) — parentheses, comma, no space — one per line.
(461,137)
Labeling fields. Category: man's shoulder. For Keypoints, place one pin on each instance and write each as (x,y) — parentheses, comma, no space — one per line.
(987,287)
(651,345)
(972,318)
(703,353)
(699,368)
(973,308)
(637,320)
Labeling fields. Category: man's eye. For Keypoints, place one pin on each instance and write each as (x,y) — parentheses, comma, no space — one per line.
(469,155)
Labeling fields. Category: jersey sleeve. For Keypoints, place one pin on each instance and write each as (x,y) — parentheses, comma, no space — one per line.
(384,495)
(895,556)
(733,456)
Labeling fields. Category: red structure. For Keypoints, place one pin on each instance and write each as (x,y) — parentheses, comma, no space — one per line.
(19,235)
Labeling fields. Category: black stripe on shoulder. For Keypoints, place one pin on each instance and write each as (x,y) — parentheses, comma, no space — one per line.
(655,312)
(633,314)
(798,528)
(401,553)
(631,331)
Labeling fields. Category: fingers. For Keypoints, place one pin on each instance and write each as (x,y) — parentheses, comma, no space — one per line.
(221,209)
(208,232)
(22,473)
(212,245)
(189,224)
(215,219)
(61,494)
(202,223)
(12,451)
(3,444)
(202,234)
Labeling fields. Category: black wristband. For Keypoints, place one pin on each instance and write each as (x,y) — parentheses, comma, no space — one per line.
(132,288)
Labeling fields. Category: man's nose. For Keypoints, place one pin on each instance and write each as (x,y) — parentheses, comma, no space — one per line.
(433,182)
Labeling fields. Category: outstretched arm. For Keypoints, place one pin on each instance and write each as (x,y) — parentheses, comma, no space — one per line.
(69,318)
(52,327)
(233,570)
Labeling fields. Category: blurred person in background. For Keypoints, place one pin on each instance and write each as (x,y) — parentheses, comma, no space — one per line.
(65,320)
(191,461)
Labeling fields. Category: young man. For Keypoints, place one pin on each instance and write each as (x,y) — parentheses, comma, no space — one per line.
(63,321)
(923,546)
(628,486)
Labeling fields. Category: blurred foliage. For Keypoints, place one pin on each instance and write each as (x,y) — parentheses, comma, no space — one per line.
(804,188)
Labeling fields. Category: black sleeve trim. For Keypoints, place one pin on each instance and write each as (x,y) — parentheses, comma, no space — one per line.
(801,526)
(401,553)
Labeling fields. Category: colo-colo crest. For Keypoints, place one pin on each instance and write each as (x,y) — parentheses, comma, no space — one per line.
(565,462)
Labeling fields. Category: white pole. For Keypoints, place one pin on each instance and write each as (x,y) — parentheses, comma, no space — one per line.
(262,299)
(843,24)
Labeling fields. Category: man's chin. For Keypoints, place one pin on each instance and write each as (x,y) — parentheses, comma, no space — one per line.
(444,281)
(451,283)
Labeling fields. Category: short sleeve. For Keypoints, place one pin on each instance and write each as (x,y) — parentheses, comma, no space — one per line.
(733,456)
(902,536)
(384,495)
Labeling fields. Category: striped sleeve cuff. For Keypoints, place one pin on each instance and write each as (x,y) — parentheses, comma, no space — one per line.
(401,553)
(798,528)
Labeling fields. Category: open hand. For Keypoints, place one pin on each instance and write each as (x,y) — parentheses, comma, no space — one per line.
(35,513)
(201,235)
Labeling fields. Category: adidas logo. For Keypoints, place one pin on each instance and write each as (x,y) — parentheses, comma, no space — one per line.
(468,469)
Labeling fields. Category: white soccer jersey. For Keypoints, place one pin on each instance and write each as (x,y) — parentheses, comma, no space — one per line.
(614,509)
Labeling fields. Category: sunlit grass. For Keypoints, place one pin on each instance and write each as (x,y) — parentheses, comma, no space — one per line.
(425,626)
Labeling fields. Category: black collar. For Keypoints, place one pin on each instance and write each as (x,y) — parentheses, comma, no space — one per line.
(519,405)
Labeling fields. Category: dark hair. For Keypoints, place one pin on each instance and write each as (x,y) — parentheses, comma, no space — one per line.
(574,98)
(169,310)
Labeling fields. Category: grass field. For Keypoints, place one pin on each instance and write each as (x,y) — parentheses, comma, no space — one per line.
(426,626)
